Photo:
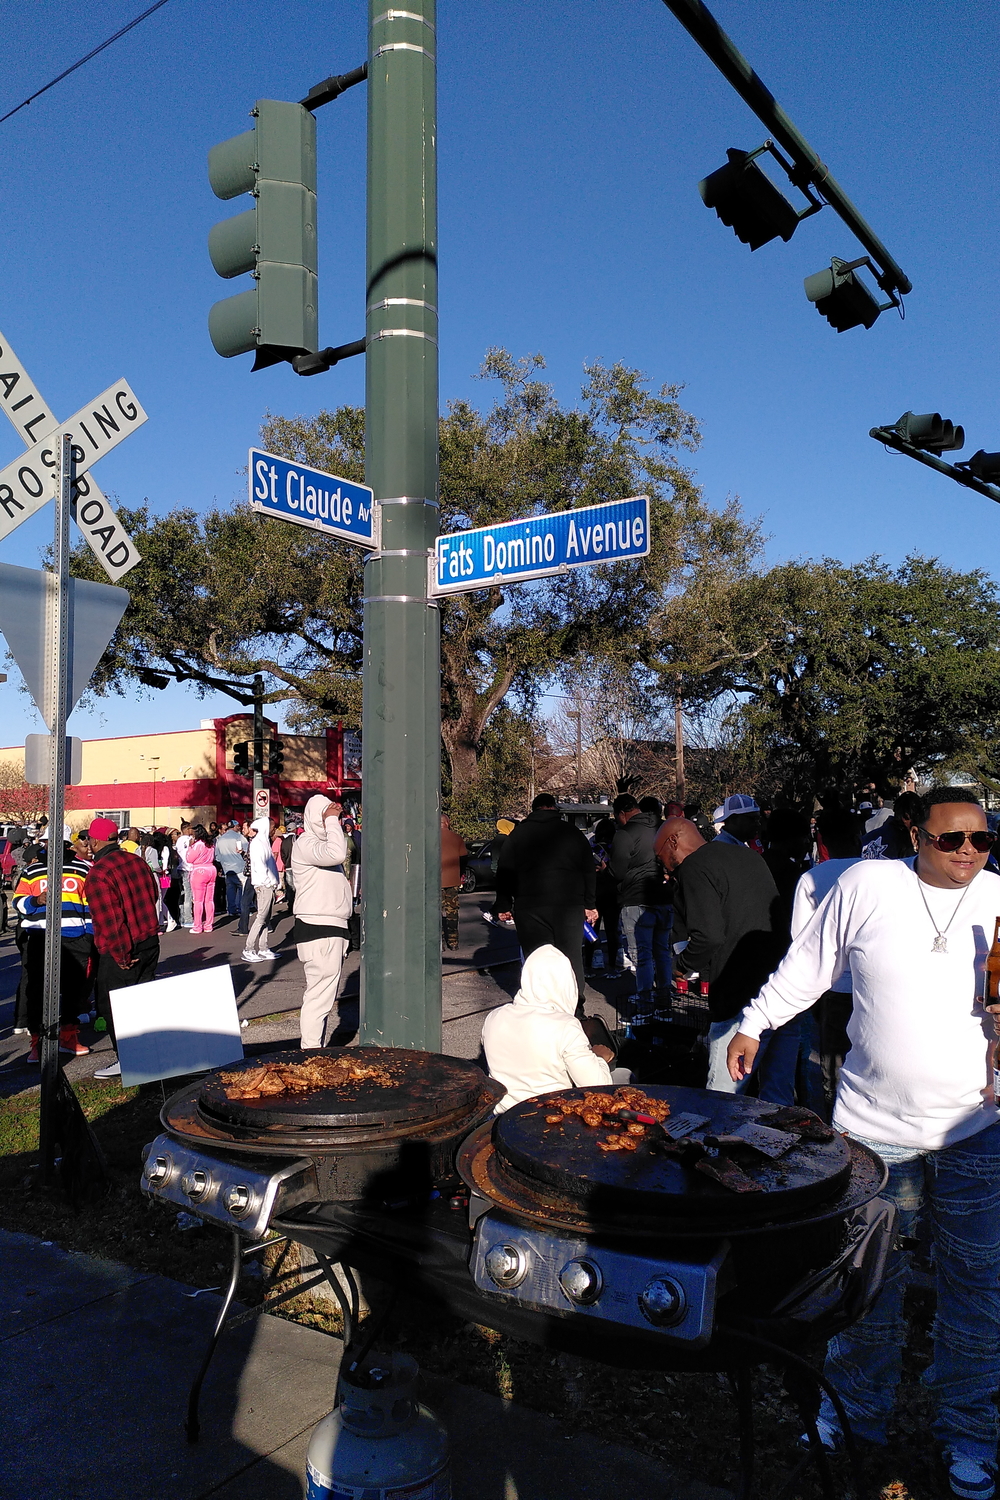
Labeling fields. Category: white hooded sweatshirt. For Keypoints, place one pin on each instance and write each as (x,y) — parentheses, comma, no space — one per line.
(263,870)
(323,895)
(536,1044)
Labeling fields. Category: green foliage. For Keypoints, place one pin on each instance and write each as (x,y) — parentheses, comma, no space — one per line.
(840,674)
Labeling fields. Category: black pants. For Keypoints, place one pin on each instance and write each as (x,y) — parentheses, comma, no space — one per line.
(75,980)
(111,977)
(562,926)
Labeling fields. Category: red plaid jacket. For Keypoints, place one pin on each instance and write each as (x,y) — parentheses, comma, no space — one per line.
(124,901)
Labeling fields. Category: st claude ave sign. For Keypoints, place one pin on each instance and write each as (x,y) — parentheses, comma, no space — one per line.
(309,497)
(516,551)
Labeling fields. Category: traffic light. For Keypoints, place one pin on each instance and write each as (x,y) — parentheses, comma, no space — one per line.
(258,757)
(275,757)
(842,298)
(933,433)
(983,465)
(241,759)
(275,240)
(747,200)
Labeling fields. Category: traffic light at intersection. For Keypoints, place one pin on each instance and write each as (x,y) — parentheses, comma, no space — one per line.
(842,298)
(984,466)
(275,241)
(933,433)
(241,759)
(275,757)
(747,200)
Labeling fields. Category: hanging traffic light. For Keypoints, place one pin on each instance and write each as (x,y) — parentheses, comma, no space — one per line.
(747,200)
(842,298)
(241,759)
(930,431)
(275,240)
(985,466)
(275,757)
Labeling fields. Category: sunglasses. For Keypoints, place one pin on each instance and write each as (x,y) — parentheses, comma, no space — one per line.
(982,840)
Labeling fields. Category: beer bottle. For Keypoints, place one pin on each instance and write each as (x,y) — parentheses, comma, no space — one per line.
(993,999)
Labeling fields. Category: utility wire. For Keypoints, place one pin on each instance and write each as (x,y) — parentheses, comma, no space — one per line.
(83,60)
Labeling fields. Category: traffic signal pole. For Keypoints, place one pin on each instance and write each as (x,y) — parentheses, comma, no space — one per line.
(401,740)
(258,732)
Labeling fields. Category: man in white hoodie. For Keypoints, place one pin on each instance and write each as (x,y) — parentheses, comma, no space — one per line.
(264,879)
(323,903)
(537,1044)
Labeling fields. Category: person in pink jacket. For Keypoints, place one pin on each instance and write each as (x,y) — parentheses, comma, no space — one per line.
(201,862)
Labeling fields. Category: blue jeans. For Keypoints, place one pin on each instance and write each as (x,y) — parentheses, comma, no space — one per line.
(960,1186)
(248,903)
(647,938)
(775,1066)
(234,893)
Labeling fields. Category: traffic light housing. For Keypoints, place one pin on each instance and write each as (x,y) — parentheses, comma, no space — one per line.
(275,240)
(241,759)
(934,433)
(842,298)
(749,203)
(275,757)
(984,466)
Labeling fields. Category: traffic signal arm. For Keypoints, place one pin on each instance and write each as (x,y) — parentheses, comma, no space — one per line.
(891,439)
(698,20)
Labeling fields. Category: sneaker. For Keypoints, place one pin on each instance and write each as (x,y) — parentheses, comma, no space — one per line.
(265,953)
(69,1041)
(830,1436)
(20,1031)
(251,958)
(197,929)
(113,1070)
(171,925)
(33,1056)
(972,1478)
(627,966)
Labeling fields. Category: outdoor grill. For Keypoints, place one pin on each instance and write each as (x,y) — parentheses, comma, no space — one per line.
(718,1242)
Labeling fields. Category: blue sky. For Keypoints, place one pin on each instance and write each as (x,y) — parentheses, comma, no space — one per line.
(572,136)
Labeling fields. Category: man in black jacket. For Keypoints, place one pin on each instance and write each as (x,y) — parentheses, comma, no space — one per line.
(642,897)
(724,907)
(546,877)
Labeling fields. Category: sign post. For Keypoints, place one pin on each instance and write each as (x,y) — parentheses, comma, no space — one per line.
(58,665)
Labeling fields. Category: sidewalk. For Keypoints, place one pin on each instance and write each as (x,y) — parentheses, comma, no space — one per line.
(97,1359)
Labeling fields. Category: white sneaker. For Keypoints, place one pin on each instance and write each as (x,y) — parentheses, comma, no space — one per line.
(23,1030)
(171,925)
(265,953)
(113,1070)
(627,965)
(251,958)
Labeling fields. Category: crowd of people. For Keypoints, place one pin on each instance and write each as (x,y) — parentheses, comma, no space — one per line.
(877,922)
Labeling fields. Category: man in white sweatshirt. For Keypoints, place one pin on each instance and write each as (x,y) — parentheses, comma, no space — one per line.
(264,879)
(323,903)
(916,1086)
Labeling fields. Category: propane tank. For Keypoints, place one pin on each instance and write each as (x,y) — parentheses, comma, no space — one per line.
(379,1442)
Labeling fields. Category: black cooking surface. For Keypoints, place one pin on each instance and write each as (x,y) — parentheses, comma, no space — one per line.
(565,1161)
(424,1085)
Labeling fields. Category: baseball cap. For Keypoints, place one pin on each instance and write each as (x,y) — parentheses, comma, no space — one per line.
(103,828)
(736,802)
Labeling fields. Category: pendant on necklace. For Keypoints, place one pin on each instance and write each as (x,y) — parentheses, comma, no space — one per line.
(940,944)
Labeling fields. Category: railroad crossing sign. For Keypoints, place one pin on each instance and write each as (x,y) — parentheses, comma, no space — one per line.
(309,497)
(96,428)
(517,551)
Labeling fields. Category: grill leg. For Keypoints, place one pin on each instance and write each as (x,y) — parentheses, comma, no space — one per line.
(347,1309)
(192,1426)
(742,1385)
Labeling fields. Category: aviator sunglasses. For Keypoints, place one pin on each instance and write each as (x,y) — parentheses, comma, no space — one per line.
(982,840)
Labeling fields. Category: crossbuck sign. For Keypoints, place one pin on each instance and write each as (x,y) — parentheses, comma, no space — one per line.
(517,551)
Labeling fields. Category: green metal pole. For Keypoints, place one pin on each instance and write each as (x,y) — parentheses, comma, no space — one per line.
(401,729)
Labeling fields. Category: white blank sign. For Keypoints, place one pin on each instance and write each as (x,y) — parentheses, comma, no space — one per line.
(185,1024)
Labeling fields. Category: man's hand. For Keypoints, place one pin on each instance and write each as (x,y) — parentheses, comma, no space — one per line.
(605,1053)
(591,915)
(504,916)
(333,810)
(740,1057)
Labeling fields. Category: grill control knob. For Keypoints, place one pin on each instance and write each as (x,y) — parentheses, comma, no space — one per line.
(582,1281)
(506,1265)
(195,1184)
(156,1168)
(238,1200)
(662,1301)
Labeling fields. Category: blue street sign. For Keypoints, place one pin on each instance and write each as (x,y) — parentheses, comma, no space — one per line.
(324,502)
(518,550)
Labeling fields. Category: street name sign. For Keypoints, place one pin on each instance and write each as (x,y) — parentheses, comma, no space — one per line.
(27,483)
(516,551)
(309,497)
(32,420)
(27,603)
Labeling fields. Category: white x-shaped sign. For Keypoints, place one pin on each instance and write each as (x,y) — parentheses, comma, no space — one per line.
(27,483)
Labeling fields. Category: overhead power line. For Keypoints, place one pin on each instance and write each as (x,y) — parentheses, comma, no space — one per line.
(67,71)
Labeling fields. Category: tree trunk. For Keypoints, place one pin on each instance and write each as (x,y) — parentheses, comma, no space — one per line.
(461,743)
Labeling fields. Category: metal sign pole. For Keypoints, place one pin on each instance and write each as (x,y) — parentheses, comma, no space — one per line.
(58,676)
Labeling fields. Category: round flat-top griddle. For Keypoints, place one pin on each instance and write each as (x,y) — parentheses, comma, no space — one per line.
(423,1086)
(564,1165)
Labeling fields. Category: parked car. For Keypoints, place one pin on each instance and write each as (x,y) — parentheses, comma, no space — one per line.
(479,875)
